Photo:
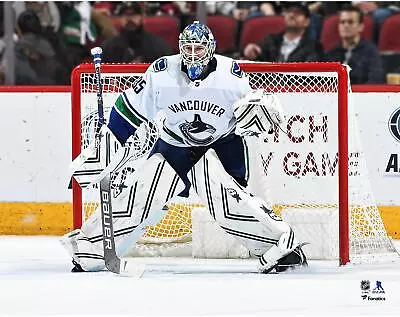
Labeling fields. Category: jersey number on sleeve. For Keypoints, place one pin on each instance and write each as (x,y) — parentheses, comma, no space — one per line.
(138,85)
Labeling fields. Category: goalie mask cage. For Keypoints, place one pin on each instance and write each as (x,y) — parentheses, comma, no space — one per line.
(316,169)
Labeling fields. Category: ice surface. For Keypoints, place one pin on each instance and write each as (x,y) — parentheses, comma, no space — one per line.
(35,280)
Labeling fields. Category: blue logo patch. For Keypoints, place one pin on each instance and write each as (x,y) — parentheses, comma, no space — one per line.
(394,124)
(160,65)
(236,70)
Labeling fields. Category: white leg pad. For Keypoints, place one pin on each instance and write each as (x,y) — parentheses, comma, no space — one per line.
(287,243)
(245,217)
(154,184)
(87,250)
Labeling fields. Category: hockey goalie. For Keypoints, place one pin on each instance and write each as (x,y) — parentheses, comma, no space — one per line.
(207,106)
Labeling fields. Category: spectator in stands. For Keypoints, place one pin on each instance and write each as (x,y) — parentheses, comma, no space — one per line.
(47,12)
(362,55)
(36,62)
(133,44)
(78,30)
(172,8)
(2,61)
(380,11)
(102,17)
(291,46)
(241,10)
(314,30)
(2,47)
(184,11)
(50,20)
(268,8)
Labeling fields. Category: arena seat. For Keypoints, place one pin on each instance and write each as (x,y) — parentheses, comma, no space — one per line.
(389,39)
(389,44)
(224,29)
(166,27)
(256,29)
(330,34)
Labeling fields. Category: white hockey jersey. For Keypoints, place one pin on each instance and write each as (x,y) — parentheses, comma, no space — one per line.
(195,113)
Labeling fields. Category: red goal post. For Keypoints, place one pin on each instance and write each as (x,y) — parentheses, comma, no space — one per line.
(304,78)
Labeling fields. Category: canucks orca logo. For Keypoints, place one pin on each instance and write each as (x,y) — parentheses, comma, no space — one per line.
(394,124)
(197,132)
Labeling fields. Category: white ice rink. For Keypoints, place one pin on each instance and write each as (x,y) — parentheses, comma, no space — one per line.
(35,280)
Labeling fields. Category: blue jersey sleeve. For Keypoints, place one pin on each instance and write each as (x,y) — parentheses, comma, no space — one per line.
(133,107)
(121,129)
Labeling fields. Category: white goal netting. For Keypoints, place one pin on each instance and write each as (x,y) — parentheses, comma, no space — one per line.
(297,172)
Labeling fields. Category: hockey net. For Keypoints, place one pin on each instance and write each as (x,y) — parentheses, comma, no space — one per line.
(315,176)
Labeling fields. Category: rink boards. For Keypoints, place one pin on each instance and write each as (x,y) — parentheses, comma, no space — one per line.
(35,198)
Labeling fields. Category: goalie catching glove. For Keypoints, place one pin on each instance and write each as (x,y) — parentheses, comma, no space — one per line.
(258,111)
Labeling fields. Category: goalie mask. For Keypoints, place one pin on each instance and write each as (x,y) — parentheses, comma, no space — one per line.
(197,47)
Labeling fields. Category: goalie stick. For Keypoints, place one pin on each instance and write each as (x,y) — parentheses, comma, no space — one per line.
(111,260)
(142,143)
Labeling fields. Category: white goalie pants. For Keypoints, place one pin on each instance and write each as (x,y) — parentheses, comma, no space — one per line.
(140,198)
